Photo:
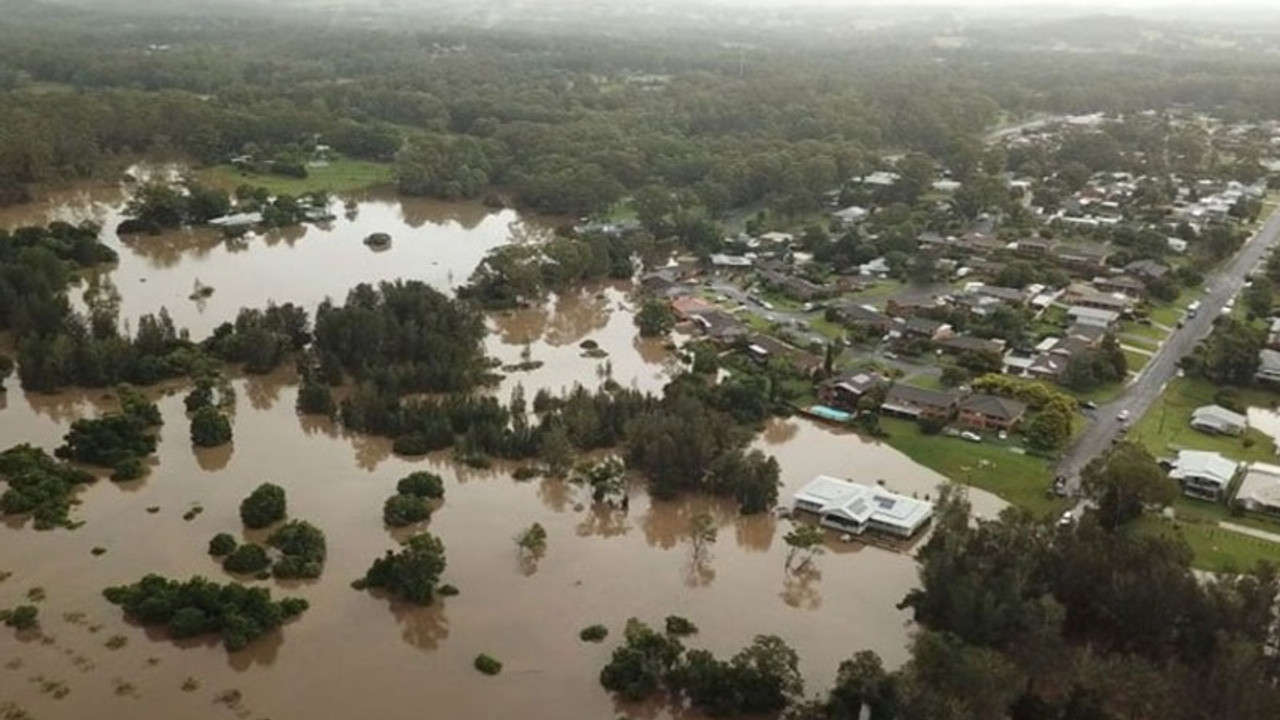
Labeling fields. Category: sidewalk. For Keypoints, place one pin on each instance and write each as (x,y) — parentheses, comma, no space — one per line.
(1251,532)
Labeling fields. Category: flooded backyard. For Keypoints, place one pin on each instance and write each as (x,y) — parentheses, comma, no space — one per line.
(356,655)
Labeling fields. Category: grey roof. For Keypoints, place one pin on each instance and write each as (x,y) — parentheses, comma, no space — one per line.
(994,406)
(919,396)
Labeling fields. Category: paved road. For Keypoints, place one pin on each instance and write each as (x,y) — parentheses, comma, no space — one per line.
(1142,392)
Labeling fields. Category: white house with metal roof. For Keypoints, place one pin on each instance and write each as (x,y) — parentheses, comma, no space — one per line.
(1218,420)
(1259,490)
(852,507)
(1204,475)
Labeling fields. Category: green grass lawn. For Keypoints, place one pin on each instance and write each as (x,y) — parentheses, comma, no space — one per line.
(925,380)
(1170,313)
(1101,395)
(1149,332)
(1135,361)
(755,322)
(1214,549)
(1142,343)
(879,293)
(339,176)
(620,212)
(1166,426)
(1211,513)
(1020,479)
(827,328)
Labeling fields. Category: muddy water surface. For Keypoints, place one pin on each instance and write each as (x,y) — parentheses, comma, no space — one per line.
(356,655)
(437,242)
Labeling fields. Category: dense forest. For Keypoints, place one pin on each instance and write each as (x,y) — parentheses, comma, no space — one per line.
(562,124)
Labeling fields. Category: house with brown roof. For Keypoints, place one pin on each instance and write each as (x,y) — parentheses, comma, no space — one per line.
(844,391)
(957,344)
(718,325)
(863,316)
(917,403)
(767,349)
(687,306)
(1124,284)
(991,412)
(1086,259)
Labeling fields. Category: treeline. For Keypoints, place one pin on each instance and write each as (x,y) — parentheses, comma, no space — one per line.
(692,438)
(57,347)
(400,337)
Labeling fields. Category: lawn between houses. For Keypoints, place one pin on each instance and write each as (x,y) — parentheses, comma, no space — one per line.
(341,175)
(1020,479)
(1165,429)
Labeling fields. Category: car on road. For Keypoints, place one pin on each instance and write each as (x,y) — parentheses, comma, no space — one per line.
(1123,415)
(1089,405)
(971,436)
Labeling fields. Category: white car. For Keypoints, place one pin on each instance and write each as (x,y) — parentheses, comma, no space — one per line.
(1123,415)
(1067,518)
(971,436)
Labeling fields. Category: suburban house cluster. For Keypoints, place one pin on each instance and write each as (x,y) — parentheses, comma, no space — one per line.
(1210,476)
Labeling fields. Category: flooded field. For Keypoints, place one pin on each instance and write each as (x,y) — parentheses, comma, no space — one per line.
(356,655)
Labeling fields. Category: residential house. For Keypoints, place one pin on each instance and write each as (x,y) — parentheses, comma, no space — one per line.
(1203,475)
(1217,420)
(880,178)
(850,507)
(904,307)
(843,392)
(722,261)
(927,328)
(687,305)
(1092,317)
(765,349)
(1086,296)
(1259,490)
(1147,269)
(957,344)
(1034,247)
(1123,284)
(661,284)
(1009,296)
(863,316)
(719,326)
(795,287)
(1086,259)
(917,403)
(981,243)
(991,412)
(1049,366)
(1268,366)
(879,267)
(850,215)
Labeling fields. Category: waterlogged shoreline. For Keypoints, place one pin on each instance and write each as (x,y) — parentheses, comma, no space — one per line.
(354,653)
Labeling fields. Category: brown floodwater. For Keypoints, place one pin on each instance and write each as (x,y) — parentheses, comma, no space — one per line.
(356,655)
(433,241)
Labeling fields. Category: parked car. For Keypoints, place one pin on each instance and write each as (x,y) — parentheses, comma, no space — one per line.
(1089,405)
(1067,518)
(971,436)
(1123,415)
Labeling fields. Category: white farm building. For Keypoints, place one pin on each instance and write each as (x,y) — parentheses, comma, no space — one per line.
(852,507)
